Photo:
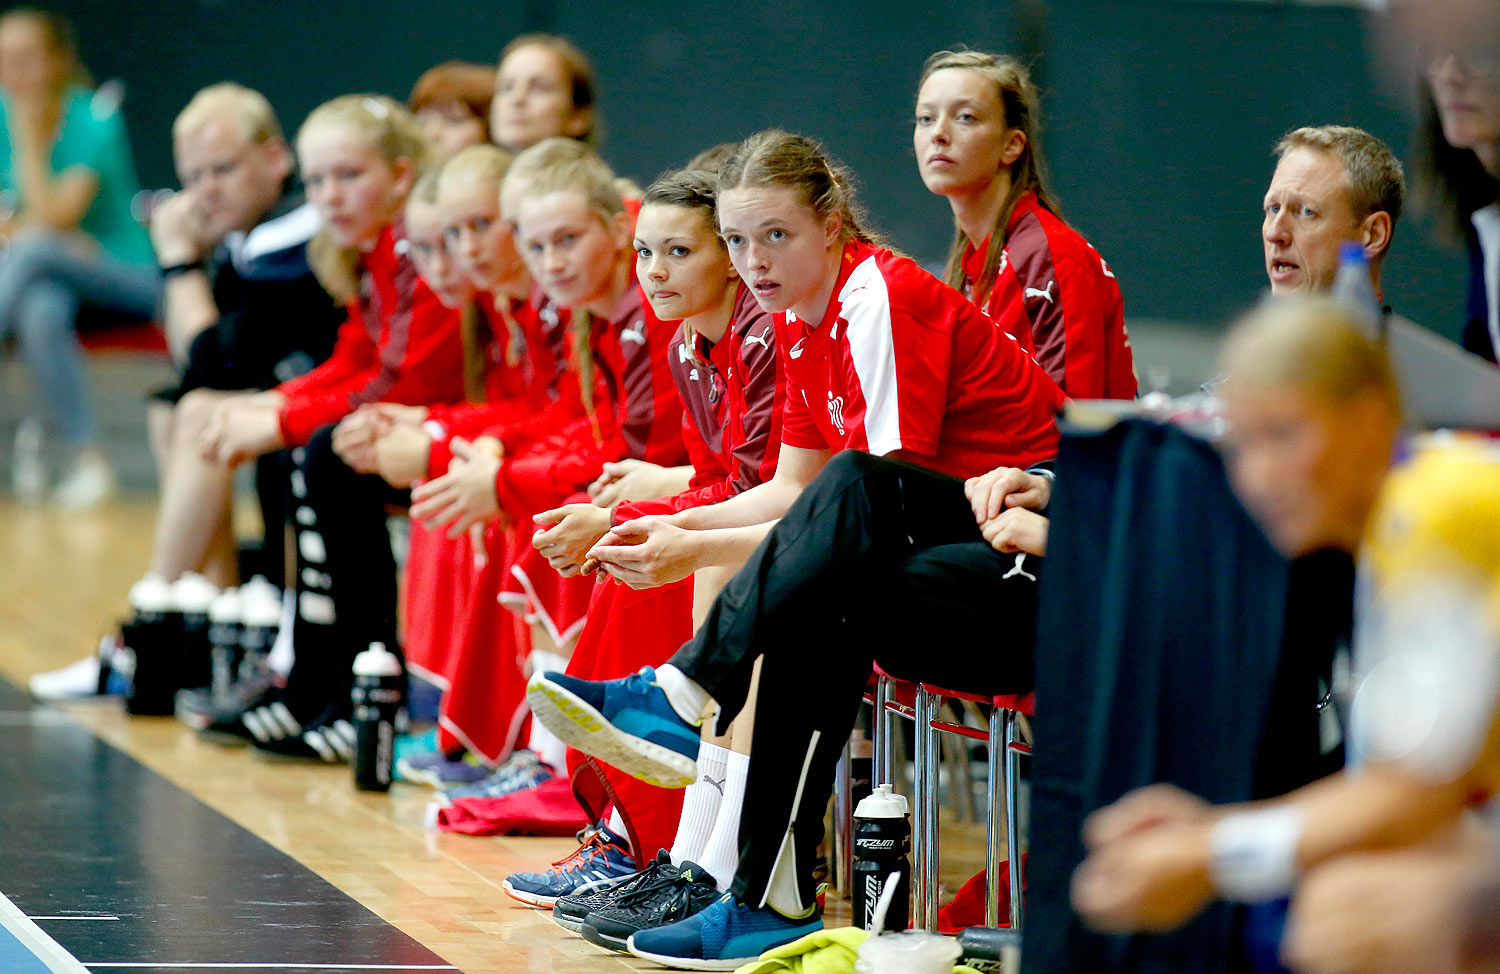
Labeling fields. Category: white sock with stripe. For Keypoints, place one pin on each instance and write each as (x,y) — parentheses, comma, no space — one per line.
(700,805)
(721,853)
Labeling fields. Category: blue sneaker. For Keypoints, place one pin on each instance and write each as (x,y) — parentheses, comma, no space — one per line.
(440,771)
(522,770)
(603,860)
(627,723)
(722,937)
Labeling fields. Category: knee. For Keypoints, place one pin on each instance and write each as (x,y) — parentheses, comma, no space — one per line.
(46,313)
(845,468)
(191,415)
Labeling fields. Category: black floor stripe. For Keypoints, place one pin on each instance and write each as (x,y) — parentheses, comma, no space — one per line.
(86,829)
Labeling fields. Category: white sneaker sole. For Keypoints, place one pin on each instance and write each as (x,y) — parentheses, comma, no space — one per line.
(687,963)
(577,723)
(530,899)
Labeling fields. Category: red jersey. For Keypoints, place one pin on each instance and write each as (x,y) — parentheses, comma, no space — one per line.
(900,361)
(523,371)
(1060,299)
(399,344)
(732,395)
(636,413)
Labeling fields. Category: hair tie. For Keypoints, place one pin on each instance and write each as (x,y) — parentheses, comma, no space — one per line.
(375,107)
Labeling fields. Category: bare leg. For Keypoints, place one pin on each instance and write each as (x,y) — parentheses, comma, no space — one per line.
(707,582)
(195,497)
(159,435)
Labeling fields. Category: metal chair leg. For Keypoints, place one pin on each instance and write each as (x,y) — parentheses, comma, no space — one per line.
(1013,818)
(882,744)
(843,825)
(924,818)
(997,757)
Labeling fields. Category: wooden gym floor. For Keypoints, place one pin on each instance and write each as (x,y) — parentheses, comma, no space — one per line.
(69,789)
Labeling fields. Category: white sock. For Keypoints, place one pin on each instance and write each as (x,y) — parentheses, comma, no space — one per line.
(721,853)
(686,697)
(546,744)
(616,824)
(700,805)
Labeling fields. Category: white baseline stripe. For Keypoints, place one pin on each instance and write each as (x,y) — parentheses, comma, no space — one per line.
(75,917)
(46,949)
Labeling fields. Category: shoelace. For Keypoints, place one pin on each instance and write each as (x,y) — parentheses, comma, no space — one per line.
(593,847)
(659,876)
(679,895)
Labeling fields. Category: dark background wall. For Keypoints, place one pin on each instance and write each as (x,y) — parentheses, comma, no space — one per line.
(1160,116)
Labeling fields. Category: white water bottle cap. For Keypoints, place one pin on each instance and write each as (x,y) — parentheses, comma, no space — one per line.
(151,594)
(377,661)
(193,593)
(225,607)
(882,803)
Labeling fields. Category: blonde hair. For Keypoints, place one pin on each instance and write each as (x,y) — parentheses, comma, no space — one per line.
(1020,103)
(591,178)
(490,164)
(774,157)
(1376,178)
(247,109)
(390,130)
(1309,342)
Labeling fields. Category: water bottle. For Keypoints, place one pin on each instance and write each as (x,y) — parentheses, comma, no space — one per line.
(192,594)
(1353,288)
(882,844)
(152,635)
(377,699)
(260,617)
(225,624)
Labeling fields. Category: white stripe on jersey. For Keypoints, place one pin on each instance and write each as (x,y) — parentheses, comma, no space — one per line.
(867,309)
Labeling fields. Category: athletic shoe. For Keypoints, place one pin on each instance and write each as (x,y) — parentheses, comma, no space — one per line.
(570,911)
(673,898)
(201,709)
(89,482)
(328,738)
(264,718)
(82,681)
(726,935)
(440,771)
(603,860)
(628,723)
(522,770)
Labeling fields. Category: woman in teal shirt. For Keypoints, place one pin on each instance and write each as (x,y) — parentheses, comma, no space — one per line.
(66,184)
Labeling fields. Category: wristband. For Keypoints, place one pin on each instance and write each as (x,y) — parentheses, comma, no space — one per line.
(1253,855)
(175,270)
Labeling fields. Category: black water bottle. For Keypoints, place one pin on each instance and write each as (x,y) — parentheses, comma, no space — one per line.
(152,636)
(882,845)
(225,628)
(377,700)
(192,594)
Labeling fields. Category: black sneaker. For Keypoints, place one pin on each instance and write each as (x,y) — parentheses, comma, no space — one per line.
(673,898)
(201,709)
(265,717)
(570,911)
(329,738)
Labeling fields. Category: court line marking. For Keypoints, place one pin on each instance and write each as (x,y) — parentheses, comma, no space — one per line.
(76,917)
(34,939)
(284,967)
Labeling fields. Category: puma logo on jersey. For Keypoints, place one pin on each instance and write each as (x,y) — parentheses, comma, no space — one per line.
(636,334)
(1105,267)
(1019,569)
(836,412)
(763,339)
(1038,292)
(797,349)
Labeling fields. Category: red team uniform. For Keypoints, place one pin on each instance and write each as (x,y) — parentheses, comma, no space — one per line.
(1064,301)
(897,365)
(732,394)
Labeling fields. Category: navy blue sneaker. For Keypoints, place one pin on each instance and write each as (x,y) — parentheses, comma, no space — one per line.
(628,723)
(726,935)
(602,860)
